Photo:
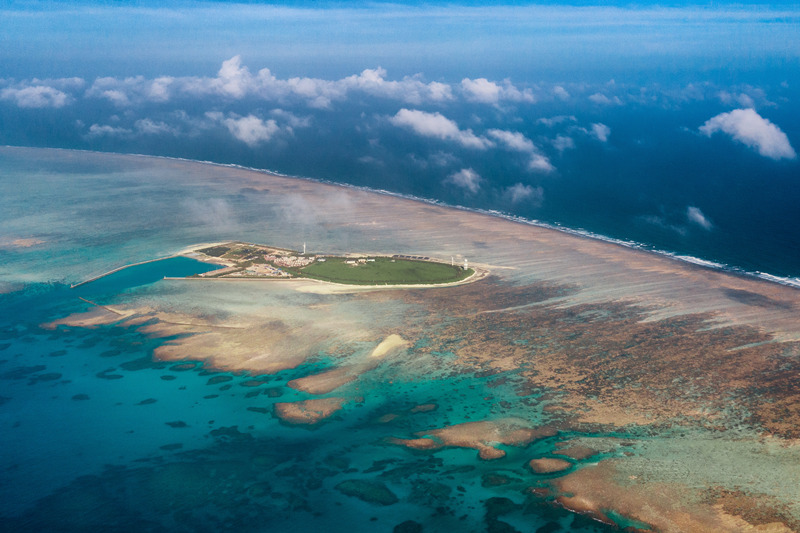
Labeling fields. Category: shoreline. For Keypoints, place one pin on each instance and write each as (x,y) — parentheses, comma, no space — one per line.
(190,252)
(785,281)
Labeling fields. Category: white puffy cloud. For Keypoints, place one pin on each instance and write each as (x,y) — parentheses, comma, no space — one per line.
(519,143)
(251,130)
(466,178)
(560,93)
(489,92)
(600,132)
(525,193)
(150,127)
(409,89)
(36,96)
(695,216)
(751,129)
(601,99)
(554,121)
(438,126)
(540,163)
(143,126)
(513,140)
(562,142)
(159,90)
(292,120)
(105,130)
(235,81)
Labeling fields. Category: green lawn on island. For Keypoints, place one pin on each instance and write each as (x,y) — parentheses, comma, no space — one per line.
(384,271)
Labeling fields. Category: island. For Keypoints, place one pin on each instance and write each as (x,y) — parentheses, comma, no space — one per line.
(240,260)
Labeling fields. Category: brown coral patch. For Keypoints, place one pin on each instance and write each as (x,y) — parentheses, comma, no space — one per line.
(547,465)
(482,436)
(308,412)
(577,452)
(324,382)
(593,490)
(614,364)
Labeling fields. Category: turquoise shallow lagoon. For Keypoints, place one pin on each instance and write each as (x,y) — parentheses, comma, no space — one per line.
(88,417)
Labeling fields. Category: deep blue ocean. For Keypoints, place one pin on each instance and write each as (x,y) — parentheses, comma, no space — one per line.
(637,187)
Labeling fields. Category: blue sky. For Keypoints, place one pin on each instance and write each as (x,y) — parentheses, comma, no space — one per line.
(439,39)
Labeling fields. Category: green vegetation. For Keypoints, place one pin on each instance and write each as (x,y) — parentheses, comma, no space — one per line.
(245,260)
(215,251)
(384,270)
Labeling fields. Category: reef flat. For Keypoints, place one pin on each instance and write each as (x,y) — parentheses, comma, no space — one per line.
(620,385)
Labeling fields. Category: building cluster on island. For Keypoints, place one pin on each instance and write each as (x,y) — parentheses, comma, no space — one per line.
(246,260)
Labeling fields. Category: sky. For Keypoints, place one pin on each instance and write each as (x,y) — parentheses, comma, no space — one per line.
(671,124)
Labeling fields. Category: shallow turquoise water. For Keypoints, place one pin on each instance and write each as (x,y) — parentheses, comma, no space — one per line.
(91,402)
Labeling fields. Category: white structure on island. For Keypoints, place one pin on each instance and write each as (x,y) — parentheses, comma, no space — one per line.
(304,248)
(466,264)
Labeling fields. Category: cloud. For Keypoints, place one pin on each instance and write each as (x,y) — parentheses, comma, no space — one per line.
(525,193)
(335,208)
(562,142)
(98,130)
(660,221)
(409,89)
(466,178)
(513,140)
(489,92)
(235,81)
(601,99)
(143,126)
(540,163)
(438,126)
(554,121)
(251,130)
(741,99)
(751,129)
(292,120)
(519,143)
(36,96)
(122,92)
(600,132)
(214,212)
(151,127)
(560,93)
(695,216)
